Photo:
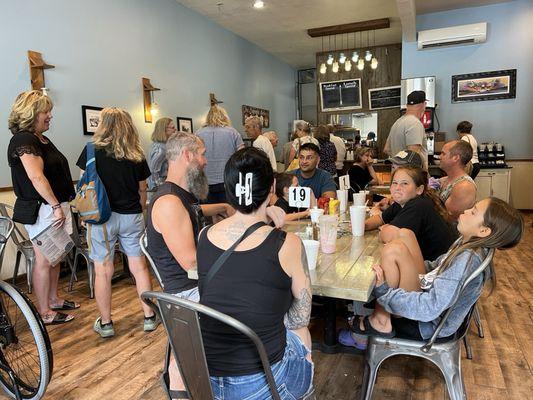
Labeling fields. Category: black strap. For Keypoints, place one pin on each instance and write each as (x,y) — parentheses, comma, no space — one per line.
(224,256)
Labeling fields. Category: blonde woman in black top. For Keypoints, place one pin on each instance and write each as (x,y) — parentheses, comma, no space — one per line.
(43,186)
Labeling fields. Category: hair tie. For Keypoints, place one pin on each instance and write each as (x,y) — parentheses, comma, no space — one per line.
(244,189)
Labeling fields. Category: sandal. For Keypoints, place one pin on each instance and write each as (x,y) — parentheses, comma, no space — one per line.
(67,305)
(59,318)
(369,330)
(348,338)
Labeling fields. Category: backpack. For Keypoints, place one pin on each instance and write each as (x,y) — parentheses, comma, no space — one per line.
(91,199)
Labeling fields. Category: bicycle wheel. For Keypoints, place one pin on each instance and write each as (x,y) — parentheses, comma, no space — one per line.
(24,345)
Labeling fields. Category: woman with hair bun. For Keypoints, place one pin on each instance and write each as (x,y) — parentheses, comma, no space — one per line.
(43,186)
(221,141)
(264,283)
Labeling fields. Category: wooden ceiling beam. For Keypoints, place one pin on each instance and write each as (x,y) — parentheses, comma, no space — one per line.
(369,25)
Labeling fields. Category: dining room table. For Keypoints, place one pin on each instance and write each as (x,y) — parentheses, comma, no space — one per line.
(345,274)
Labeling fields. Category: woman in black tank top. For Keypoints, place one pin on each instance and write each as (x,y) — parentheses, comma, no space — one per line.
(264,284)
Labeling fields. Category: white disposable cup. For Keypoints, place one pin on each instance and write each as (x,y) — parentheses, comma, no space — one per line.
(315,213)
(357,218)
(342,196)
(359,199)
(311,251)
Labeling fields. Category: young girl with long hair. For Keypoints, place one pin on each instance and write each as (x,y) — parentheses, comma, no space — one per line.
(416,207)
(420,299)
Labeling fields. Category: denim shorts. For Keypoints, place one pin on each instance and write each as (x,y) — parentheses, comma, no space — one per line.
(189,294)
(126,228)
(293,376)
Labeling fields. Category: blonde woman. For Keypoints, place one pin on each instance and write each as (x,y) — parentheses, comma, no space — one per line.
(221,141)
(302,130)
(43,187)
(121,166)
(157,160)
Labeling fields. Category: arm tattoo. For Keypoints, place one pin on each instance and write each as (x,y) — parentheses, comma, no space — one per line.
(300,311)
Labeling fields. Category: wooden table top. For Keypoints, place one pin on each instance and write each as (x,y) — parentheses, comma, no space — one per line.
(345,274)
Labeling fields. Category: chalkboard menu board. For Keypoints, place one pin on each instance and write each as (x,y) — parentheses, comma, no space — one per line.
(341,95)
(385,97)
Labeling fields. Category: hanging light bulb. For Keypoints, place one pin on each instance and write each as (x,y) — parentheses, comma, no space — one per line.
(368,55)
(342,58)
(323,68)
(335,67)
(348,65)
(374,63)
(361,64)
(258,4)
(355,56)
(154,109)
(330,59)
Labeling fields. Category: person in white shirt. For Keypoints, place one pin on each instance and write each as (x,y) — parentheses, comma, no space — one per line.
(273,137)
(252,127)
(341,150)
(463,131)
(302,129)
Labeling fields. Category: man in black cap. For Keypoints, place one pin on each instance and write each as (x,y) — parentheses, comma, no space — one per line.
(408,133)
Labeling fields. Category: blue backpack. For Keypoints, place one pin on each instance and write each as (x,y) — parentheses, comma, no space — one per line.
(91,199)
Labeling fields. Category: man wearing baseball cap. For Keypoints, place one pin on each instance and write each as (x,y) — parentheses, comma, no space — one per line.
(408,133)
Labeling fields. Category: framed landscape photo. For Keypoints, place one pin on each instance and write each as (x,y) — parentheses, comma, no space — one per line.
(91,119)
(185,125)
(481,86)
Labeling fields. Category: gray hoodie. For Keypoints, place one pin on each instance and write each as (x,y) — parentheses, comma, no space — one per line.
(428,305)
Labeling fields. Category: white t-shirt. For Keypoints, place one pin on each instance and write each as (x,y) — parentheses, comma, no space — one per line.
(296,143)
(341,150)
(473,142)
(264,144)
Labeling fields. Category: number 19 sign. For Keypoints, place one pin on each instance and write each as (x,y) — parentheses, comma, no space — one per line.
(299,197)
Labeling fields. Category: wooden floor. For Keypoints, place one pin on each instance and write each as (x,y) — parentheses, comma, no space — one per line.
(128,365)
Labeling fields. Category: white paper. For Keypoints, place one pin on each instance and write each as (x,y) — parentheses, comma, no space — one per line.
(344,182)
(54,243)
(299,197)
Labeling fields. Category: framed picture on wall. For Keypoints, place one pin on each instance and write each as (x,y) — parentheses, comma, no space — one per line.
(91,119)
(249,111)
(481,86)
(185,124)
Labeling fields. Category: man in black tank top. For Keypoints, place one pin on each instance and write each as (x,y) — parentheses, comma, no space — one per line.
(175,216)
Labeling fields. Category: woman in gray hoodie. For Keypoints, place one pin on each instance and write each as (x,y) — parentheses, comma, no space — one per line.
(420,299)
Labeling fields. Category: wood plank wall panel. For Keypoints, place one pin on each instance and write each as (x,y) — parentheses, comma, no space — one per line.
(388,73)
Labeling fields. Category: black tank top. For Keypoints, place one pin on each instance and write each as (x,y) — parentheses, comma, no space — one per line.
(174,277)
(252,287)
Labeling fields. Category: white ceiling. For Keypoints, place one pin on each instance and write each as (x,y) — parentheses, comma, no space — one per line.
(281,26)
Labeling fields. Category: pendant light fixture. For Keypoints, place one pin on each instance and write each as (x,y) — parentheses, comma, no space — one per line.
(323,67)
(361,64)
(374,63)
(348,66)
(258,4)
(342,58)
(368,54)
(335,67)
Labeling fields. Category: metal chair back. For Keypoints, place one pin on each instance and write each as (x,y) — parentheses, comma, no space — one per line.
(144,248)
(6,227)
(18,235)
(181,320)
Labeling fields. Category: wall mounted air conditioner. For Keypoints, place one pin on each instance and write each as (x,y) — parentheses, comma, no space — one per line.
(452,36)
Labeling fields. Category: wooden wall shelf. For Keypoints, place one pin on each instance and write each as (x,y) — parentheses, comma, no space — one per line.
(37,67)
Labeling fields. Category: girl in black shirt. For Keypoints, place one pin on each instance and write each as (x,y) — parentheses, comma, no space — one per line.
(43,187)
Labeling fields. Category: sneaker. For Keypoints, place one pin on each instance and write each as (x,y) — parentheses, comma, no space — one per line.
(104,330)
(151,323)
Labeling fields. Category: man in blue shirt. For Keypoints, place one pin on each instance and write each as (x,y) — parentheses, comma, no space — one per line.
(320,181)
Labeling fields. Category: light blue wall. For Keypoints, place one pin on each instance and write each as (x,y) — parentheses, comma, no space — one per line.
(102,48)
(509,45)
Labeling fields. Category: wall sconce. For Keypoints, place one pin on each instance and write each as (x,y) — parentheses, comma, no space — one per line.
(150,106)
(37,67)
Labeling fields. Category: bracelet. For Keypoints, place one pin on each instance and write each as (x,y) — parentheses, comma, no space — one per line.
(56,206)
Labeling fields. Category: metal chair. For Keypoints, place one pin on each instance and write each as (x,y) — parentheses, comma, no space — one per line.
(81,250)
(181,320)
(444,353)
(6,227)
(144,248)
(23,244)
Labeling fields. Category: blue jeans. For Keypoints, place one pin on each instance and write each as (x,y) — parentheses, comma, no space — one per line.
(293,376)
